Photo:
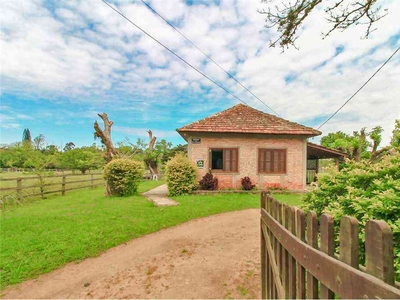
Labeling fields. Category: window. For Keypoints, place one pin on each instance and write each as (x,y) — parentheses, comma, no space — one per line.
(224,160)
(272,161)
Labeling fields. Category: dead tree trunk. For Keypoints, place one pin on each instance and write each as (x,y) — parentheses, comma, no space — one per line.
(151,161)
(105,136)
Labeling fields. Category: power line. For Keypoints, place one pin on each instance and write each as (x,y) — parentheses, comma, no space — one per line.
(360,88)
(172,52)
(209,57)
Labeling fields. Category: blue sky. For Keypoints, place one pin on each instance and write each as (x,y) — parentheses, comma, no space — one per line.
(64,62)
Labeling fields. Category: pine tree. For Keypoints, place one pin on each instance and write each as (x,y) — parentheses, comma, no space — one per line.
(26,138)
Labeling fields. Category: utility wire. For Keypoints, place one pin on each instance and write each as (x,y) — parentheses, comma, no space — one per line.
(209,57)
(359,88)
(172,52)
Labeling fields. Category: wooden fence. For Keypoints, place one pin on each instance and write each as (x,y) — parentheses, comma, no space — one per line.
(297,262)
(17,188)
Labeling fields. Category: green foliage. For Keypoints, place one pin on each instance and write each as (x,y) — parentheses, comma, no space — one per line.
(69,146)
(83,159)
(26,138)
(365,191)
(181,175)
(395,142)
(123,176)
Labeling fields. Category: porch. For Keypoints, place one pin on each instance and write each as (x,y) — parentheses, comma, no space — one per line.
(314,154)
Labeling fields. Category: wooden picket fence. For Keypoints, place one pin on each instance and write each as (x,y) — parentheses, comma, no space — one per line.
(297,262)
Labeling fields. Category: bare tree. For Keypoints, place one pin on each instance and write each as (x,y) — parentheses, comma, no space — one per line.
(151,157)
(105,136)
(289,17)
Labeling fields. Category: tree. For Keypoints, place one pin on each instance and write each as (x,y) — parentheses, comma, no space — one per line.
(26,138)
(82,159)
(395,141)
(290,16)
(105,136)
(39,142)
(355,146)
(358,147)
(151,156)
(69,146)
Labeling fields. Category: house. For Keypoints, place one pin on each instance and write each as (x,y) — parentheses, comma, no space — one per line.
(242,141)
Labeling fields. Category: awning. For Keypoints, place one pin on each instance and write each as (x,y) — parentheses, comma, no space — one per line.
(315,151)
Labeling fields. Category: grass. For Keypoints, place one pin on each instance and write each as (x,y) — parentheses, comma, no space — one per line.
(44,235)
(31,184)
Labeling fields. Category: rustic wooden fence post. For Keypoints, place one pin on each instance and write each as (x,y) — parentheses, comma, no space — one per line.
(379,254)
(301,272)
(312,240)
(19,188)
(63,185)
(328,247)
(263,253)
(91,181)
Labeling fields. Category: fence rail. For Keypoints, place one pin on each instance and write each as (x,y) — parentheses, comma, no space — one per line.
(19,188)
(298,262)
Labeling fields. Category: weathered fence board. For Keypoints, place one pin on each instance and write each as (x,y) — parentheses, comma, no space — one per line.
(298,245)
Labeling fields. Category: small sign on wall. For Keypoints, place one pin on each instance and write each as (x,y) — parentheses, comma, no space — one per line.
(196,141)
(200,163)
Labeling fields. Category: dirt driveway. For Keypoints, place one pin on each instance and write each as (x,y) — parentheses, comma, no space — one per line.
(213,257)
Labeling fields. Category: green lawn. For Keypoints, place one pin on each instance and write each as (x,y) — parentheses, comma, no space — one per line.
(44,235)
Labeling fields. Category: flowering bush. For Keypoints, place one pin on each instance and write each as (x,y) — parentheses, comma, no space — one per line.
(276,187)
(247,184)
(123,176)
(181,175)
(365,191)
(209,182)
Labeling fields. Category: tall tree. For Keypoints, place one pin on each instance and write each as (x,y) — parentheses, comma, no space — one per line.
(105,136)
(151,156)
(39,142)
(288,16)
(395,141)
(26,138)
(69,146)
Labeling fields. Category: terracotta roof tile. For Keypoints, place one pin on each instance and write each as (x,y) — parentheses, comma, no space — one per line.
(245,119)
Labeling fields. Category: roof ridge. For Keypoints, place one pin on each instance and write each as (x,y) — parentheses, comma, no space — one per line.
(234,119)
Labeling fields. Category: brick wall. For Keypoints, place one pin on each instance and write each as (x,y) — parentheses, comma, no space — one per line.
(248,146)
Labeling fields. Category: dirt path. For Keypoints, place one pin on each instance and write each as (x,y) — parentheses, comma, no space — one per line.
(213,257)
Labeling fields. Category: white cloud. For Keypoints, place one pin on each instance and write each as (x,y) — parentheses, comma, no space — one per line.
(85,52)
(142,132)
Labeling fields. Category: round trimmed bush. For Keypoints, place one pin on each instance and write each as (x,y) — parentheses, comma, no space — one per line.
(181,175)
(123,176)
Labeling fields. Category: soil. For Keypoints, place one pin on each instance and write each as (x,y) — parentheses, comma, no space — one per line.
(213,257)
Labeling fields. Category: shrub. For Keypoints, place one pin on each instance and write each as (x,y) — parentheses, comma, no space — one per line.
(209,182)
(123,176)
(181,175)
(365,191)
(276,187)
(246,184)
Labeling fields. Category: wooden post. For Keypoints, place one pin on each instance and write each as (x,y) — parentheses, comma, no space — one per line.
(312,240)
(63,185)
(328,247)
(301,272)
(349,241)
(379,254)
(91,181)
(19,188)
(263,253)
(337,163)
(290,223)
